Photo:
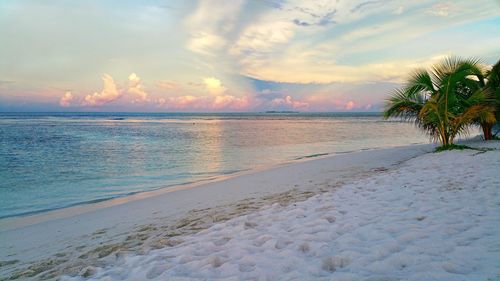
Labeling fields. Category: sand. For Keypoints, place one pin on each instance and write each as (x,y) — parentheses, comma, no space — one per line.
(388,213)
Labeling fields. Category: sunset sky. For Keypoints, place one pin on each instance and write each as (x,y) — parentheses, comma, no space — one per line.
(103,55)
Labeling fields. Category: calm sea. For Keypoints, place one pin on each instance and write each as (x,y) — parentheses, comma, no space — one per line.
(56,160)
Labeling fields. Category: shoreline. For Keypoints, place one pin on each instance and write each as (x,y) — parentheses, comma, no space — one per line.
(151,221)
(25,219)
(433,217)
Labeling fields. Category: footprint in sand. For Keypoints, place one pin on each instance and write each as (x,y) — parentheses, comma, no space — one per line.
(250,224)
(222,241)
(247,267)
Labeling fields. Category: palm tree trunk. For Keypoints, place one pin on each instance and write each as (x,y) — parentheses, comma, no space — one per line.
(487,131)
(443,137)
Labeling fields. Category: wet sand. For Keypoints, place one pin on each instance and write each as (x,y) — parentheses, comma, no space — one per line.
(74,240)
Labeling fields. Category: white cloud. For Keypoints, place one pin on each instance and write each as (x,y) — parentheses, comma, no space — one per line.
(210,23)
(289,102)
(440,9)
(214,86)
(108,94)
(283,45)
(66,99)
(263,37)
(205,43)
(136,88)
(301,70)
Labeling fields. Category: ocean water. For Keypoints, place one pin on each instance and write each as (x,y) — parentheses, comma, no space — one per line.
(55,160)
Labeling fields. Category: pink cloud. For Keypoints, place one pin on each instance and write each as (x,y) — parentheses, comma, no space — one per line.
(349,105)
(325,103)
(108,94)
(288,101)
(232,102)
(182,102)
(66,99)
(222,102)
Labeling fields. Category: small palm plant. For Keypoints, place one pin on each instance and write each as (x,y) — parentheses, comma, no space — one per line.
(445,101)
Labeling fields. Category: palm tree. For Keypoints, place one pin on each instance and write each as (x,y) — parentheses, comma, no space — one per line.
(494,79)
(444,101)
(493,86)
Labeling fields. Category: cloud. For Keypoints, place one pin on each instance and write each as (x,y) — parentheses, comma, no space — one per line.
(327,19)
(320,97)
(324,21)
(218,98)
(301,68)
(365,5)
(349,105)
(440,9)
(263,37)
(331,97)
(289,102)
(232,102)
(66,99)
(133,90)
(301,23)
(320,41)
(189,102)
(277,47)
(214,95)
(223,44)
(320,102)
(210,23)
(205,43)
(108,94)
(167,85)
(182,102)
(214,85)
(136,88)
(269,94)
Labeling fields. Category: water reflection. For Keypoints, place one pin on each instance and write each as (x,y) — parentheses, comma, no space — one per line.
(208,145)
(58,160)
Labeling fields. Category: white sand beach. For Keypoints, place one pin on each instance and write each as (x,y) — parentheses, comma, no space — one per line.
(389,214)
(261,140)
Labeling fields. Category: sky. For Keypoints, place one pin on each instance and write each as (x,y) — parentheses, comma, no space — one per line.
(225,56)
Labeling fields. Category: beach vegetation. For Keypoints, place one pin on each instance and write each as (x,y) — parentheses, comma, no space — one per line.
(493,85)
(446,100)
(452,147)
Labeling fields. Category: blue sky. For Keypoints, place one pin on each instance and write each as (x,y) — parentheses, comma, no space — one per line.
(229,55)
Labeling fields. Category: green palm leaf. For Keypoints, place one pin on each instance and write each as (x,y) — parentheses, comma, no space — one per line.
(447,100)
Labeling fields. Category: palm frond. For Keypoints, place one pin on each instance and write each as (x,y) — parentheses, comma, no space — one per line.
(420,81)
(449,99)
(403,104)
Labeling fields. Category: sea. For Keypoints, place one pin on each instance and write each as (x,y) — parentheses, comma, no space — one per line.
(55,160)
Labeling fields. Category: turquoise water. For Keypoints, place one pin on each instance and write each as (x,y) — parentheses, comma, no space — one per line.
(50,161)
